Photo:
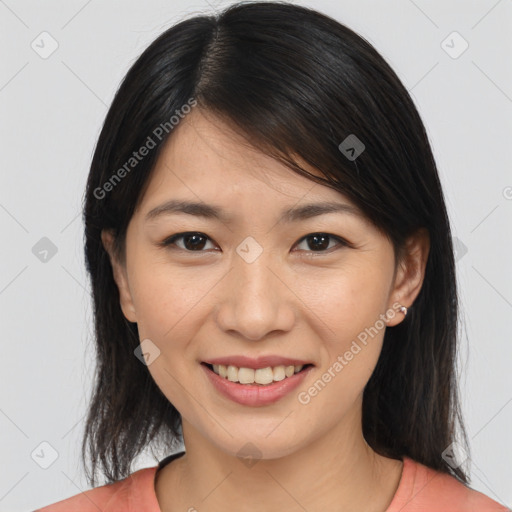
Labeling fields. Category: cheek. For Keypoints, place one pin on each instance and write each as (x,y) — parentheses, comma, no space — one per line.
(346,301)
(165,302)
(346,365)
(348,311)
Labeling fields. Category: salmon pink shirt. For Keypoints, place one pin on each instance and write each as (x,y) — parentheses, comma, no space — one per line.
(421,489)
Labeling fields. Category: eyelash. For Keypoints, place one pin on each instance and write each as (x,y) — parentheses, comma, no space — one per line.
(169,241)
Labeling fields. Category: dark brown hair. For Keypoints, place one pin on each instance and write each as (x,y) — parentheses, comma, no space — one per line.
(295,83)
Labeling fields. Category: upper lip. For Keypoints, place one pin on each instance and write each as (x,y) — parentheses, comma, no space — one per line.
(257,362)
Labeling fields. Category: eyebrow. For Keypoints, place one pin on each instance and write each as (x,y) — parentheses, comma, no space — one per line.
(208,211)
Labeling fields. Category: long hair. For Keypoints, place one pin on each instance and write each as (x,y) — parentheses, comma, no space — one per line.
(295,83)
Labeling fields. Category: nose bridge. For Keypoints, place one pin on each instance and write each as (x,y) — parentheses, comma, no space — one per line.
(252,270)
(256,301)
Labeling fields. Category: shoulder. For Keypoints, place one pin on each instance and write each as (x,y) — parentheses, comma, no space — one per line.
(424,489)
(137,490)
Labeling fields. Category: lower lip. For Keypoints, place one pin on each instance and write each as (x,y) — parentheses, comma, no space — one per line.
(255,394)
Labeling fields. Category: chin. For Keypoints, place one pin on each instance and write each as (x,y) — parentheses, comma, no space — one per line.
(249,442)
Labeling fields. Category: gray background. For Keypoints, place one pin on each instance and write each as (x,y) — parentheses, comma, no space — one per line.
(51,110)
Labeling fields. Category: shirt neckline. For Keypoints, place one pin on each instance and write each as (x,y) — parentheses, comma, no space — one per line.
(402,494)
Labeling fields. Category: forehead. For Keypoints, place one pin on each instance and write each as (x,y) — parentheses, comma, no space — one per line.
(205,158)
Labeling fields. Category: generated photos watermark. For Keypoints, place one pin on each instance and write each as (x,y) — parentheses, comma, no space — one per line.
(305,397)
(158,133)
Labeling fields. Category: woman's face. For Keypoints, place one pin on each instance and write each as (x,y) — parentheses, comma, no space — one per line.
(256,288)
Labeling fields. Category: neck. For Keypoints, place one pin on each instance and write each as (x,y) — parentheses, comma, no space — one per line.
(338,471)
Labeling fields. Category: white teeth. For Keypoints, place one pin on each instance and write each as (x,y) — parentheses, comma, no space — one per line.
(232,373)
(279,373)
(246,375)
(262,376)
(289,371)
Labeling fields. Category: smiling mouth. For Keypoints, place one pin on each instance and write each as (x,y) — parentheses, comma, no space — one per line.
(260,376)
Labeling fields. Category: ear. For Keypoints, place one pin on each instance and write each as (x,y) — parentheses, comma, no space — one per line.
(410,274)
(120,277)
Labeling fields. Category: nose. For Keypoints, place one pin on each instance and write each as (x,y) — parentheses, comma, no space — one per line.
(256,299)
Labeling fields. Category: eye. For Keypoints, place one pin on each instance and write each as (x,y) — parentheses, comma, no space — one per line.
(195,241)
(319,242)
(192,241)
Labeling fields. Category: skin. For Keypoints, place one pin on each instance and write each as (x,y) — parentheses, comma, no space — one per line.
(294,300)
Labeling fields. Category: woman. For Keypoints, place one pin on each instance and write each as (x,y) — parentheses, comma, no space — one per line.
(273,279)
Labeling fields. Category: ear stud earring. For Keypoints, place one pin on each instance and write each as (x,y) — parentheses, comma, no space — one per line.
(403,310)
